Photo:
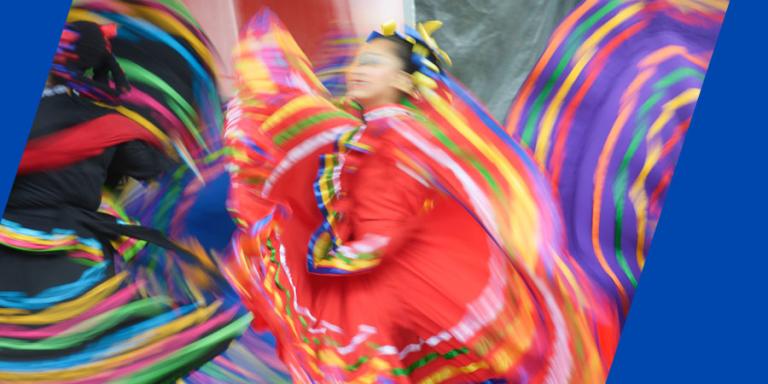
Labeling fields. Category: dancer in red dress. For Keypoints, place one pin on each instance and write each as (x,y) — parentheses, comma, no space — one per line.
(398,235)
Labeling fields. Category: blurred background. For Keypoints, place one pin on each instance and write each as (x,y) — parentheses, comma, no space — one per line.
(493,43)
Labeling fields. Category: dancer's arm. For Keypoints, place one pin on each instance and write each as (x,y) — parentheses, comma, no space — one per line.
(138,160)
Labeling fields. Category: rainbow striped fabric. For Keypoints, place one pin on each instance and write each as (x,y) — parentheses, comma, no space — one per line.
(172,72)
(604,111)
(163,315)
(86,250)
(173,68)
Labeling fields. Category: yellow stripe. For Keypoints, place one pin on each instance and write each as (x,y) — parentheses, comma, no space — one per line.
(523,213)
(153,129)
(13,311)
(637,192)
(81,15)
(69,309)
(548,122)
(598,36)
(325,192)
(689,96)
(173,26)
(146,340)
(290,108)
(253,74)
(448,372)
(701,5)
(355,265)
(64,239)
(159,19)
(63,243)
(639,199)
(585,53)
(571,279)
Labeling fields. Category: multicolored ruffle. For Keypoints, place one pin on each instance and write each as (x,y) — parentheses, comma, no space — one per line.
(605,111)
(14,235)
(99,330)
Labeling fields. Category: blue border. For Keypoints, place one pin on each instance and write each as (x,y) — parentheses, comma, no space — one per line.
(30,31)
(698,315)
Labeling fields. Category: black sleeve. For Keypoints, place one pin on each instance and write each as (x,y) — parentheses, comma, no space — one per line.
(138,160)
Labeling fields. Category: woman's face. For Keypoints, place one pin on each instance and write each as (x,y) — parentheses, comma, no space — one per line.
(374,76)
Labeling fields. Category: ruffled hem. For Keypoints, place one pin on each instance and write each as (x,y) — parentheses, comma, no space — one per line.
(101,329)
(16,236)
(84,250)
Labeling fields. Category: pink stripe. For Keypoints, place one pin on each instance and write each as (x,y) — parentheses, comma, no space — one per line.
(86,255)
(164,348)
(126,245)
(56,245)
(138,97)
(27,244)
(114,301)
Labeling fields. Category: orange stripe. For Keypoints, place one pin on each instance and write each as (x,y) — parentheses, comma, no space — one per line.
(557,38)
(669,51)
(594,71)
(599,179)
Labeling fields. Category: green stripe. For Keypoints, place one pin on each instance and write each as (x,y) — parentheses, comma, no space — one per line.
(95,327)
(571,49)
(356,365)
(161,218)
(131,252)
(428,359)
(188,354)
(85,262)
(677,76)
(295,129)
(212,157)
(621,185)
(273,252)
(173,100)
(179,10)
(456,150)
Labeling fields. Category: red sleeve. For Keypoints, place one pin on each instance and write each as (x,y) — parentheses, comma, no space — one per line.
(82,141)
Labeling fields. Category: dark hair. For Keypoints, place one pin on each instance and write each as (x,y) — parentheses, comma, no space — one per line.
(91,47)
(84,62)
(404,51)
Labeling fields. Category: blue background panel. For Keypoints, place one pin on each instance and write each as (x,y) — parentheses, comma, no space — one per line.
(699,312)
(29,32)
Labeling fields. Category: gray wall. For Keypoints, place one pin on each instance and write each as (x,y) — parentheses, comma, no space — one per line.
(494,43)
